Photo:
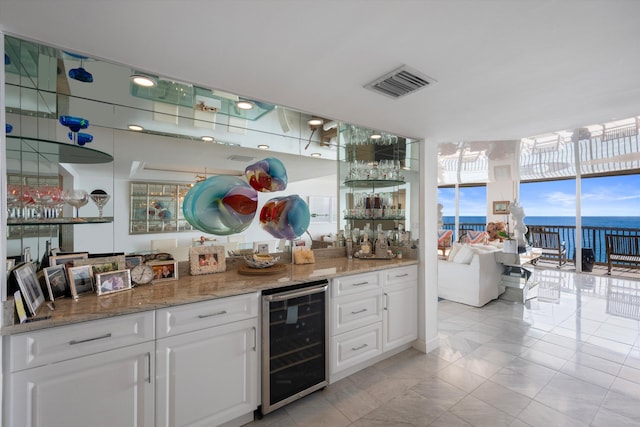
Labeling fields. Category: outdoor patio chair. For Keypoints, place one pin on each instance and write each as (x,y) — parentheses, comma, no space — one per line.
(552,247)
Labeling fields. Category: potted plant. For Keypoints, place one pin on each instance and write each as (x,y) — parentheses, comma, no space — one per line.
(509,245)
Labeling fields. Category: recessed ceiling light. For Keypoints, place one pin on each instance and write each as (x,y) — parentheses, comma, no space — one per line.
(142,80)
(263,146)
(207,138)
(375,136)
(244,105)
(136,128)
(316,155)
(315,121)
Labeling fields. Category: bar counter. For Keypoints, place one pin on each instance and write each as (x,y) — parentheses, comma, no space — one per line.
(190,289)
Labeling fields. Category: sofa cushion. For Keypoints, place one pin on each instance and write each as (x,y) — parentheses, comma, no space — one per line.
(464,255)
(453,251)
(444,238)
(475,236)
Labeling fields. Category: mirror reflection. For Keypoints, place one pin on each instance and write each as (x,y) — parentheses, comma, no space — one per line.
(170,134)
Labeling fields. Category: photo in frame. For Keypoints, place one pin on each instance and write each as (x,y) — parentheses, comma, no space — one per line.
(11,262)
(113,281)
(80,280)
(30,289)
(67,259)
(206,260)
(20,311)
(164,270)
(56,279)
(501,207)
(132,261)
(103,264)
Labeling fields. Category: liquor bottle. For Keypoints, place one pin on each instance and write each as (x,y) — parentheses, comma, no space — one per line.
(365,245)
(44,263)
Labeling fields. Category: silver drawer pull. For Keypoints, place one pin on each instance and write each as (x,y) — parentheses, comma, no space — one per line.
(219,313)
(360,284)
(359,348)
(402,275)
(101,337)
(359,311)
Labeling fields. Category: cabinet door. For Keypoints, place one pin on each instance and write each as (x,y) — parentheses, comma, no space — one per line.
(400,325)
(207,377)
(113,388)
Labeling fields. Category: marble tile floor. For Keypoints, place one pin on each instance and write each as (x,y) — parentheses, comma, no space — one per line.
(569,356)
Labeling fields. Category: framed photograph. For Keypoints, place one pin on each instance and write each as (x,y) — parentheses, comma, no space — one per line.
(501,207)
(164,270)
(103,264)
(320,208)
(22,314)
(113,281)
(10,264)
(56,279)
(30,289)
(67,259)
(132,261)
(80,280)
(207,259)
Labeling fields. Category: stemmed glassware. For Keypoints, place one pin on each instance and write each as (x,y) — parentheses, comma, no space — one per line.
(100,198)
(77,199)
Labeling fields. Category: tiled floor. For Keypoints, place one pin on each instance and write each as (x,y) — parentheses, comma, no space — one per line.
(569,356)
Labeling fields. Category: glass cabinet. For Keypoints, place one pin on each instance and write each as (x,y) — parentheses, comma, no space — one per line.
(157,208)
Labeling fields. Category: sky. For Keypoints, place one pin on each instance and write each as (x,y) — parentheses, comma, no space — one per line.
(606,196)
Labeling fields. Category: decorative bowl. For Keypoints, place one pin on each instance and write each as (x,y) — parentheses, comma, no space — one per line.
(253,263)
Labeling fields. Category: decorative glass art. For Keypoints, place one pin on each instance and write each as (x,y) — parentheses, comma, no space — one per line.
(267,175)
(81,138)
(74,123)
(8,128)
(220,205)
(81,75)
(285,217)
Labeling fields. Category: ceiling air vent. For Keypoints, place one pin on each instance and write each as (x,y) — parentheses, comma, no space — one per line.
(240,158)
(400,82)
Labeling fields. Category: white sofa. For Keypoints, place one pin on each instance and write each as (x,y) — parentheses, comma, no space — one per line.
(474,283)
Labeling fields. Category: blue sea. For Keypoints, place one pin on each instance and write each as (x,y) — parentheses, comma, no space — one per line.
(591,238)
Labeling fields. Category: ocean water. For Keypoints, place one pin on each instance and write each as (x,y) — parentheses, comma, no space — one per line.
(591,238)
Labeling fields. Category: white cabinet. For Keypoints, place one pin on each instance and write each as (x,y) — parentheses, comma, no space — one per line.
(400,324)
(207,366)
(371,314)
(94,374)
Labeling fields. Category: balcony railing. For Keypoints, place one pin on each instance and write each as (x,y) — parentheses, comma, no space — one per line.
(592,237)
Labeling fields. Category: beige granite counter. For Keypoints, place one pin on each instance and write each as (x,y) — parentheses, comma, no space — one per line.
(189,289)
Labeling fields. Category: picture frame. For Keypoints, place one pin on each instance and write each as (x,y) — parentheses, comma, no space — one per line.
(30,289)
(103,264)
(67,259)
(11,262)
(56,279)
(132,261)
(113,281)
(206,260)
(80,280)
(164,270)
(501,207)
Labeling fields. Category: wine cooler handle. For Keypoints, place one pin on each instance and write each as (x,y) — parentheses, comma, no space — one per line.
(295,294)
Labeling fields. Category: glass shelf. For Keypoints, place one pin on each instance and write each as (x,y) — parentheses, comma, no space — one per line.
(373,183)
(54,151)
(59,221)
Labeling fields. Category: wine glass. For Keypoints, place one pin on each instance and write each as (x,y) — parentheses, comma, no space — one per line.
(77,199)
(14,197)
(100,198)
(44,197)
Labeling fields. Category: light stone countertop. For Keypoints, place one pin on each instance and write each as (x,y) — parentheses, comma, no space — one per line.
(190,289)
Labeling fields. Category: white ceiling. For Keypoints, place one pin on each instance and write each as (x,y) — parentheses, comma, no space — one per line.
(506,69)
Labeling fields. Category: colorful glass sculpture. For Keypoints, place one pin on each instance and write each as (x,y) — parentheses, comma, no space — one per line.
(74,123)
(81,75)
(8,128)
(7,60)
(285,217)
(81,138)
(267,175)
(220,205)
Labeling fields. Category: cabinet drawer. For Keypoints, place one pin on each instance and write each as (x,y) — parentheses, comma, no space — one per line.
(357,346)
(355,311)
(192,317)
(356,283)
(52,345)
(401,274)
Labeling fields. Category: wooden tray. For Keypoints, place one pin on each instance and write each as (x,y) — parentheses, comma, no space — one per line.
(274,269)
